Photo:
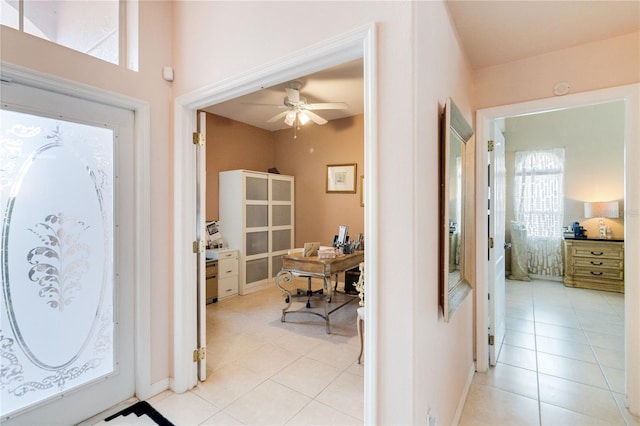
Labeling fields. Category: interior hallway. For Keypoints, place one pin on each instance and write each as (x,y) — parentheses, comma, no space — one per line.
(562,362)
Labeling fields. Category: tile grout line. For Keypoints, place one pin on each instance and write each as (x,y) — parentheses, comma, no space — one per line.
(535,347)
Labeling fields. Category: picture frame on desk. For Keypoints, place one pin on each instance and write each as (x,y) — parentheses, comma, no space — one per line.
(341,178)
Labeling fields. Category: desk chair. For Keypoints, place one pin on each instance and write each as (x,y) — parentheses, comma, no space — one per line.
(309,292)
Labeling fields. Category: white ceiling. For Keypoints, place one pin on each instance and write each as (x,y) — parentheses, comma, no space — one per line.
(491,33)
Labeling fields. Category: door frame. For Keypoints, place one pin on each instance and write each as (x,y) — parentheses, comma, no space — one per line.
(630,94)
(142,193)
(355,44)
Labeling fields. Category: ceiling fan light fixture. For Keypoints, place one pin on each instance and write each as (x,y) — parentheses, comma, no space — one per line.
(303,118)
(290,119)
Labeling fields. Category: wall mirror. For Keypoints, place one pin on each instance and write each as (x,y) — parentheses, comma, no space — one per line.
(454,284)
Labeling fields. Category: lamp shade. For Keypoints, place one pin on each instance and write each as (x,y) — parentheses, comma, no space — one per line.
(601,209)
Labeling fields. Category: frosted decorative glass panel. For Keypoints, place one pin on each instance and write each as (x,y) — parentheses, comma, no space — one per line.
(256,189)
(281,190)
(56,207)
(276,265)
(257,270)
(281,240)
(257,243)
(281,215)
(257,216)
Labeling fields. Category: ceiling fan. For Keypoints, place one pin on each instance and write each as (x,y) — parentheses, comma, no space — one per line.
(299,111)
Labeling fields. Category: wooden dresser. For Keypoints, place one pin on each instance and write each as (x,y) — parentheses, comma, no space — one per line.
(594,264)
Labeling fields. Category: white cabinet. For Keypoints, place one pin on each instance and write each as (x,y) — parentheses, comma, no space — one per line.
(256,215)
(227,273)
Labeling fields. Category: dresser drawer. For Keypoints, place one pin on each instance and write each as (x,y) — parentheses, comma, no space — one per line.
(600,251)
(596,263)
(598,273)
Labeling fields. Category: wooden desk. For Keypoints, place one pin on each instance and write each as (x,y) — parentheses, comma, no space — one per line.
(297,265)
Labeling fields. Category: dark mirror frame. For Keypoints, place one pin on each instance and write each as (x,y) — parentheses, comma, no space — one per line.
(454,286)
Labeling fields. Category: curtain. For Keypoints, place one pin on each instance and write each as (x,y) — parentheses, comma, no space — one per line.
(539,207)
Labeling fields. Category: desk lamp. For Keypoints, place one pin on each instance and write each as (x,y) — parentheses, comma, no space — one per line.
(601,210)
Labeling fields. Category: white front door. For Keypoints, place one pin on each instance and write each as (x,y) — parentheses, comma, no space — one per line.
(496,267)
(66,206)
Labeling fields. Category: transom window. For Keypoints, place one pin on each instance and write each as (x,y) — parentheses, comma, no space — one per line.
(96,28)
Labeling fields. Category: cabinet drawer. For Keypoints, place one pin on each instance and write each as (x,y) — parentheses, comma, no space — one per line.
(212,268)
(228,267)
(598,251)
(227,287)
(598,273)
(597,263)
(227,254)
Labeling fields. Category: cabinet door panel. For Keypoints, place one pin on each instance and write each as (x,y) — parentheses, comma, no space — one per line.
(257,216)
(281,215)
(256,270)
(281,240)
(281,190)
(256,188)
(257,243)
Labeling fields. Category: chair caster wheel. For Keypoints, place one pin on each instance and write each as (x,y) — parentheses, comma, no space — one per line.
(286,300)
(308,305)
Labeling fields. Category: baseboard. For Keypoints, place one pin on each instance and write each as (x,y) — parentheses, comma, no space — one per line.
(463,396)
(153,389)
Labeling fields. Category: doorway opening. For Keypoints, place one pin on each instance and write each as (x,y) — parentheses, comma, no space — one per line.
(342,49)
(628,95)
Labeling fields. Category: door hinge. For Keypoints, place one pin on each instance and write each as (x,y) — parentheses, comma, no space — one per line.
(198,246)
(198,138)
(491,339)
(199,354)
(490,146)
(490,242)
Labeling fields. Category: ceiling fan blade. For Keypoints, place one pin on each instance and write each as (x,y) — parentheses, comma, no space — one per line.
(326,105)
(267,105)
(293,95)
(315,118)
(277,117)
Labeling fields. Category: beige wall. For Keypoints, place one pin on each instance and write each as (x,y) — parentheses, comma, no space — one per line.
(234,145)
(147,84)
(318,214)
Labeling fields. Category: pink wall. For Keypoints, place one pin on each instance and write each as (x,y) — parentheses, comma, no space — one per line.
(411,376)
(609,63)
(155,47)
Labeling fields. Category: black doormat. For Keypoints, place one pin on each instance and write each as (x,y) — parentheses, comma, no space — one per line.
(142,408)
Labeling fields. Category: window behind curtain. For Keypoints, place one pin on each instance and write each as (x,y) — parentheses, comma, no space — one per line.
(539,206)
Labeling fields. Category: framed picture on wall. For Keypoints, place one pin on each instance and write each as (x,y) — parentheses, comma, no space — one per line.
(341,178)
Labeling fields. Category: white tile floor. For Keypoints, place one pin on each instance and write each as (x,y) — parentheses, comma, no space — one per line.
(263,371)
(562,362)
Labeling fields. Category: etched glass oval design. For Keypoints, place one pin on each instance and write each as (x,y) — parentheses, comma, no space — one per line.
(56,207)
(64,254)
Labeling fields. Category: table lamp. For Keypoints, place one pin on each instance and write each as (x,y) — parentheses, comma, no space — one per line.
(601,210)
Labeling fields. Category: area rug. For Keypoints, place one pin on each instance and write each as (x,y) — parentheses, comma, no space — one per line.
(142,408)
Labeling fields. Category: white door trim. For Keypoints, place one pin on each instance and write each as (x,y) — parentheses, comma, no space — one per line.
(142,226)
(630,94)
(359,43)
